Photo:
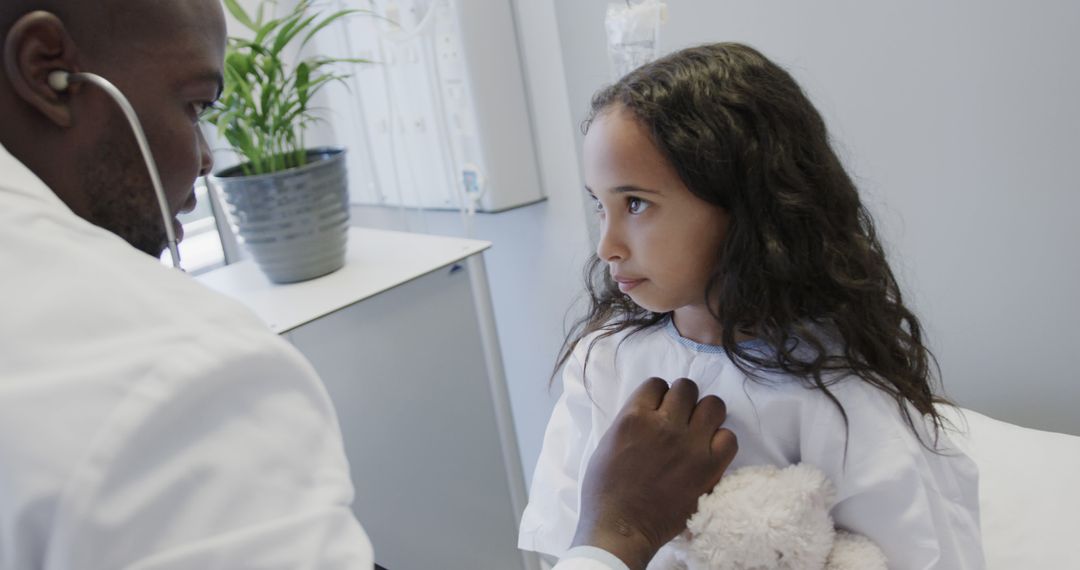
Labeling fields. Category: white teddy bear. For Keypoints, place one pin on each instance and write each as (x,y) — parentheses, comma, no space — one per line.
(767,518)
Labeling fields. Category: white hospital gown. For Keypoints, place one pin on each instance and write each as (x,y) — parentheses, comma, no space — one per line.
(920,507)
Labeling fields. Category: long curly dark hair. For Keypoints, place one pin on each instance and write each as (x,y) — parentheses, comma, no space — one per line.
(801,267)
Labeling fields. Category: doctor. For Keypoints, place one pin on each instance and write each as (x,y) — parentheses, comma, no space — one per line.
(146,422)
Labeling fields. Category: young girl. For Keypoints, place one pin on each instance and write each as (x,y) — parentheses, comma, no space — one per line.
(735,252)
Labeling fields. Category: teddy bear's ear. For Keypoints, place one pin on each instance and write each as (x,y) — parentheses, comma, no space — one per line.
(855,552)
(811,481)
(759,516)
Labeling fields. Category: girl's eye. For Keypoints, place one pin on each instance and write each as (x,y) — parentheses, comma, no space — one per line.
(636,205)
(597,206)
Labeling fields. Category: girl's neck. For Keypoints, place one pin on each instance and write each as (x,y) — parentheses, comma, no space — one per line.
(696,323)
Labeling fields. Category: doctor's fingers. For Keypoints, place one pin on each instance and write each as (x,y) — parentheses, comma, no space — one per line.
(679,401)
(724,447)
(722,452)
(647,397)
(709,414)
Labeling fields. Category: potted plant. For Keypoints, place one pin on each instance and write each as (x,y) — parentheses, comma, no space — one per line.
(288,203)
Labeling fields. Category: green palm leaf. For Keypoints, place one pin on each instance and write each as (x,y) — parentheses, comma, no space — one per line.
(265,106)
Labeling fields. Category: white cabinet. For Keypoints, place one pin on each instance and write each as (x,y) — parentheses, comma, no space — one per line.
(404,340)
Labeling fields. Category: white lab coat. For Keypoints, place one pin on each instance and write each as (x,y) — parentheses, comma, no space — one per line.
(148,423)
(920,507)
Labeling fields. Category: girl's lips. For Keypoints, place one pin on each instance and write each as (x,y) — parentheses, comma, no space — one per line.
(627,284)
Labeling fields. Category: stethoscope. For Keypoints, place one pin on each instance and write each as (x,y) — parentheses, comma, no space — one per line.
(60,81)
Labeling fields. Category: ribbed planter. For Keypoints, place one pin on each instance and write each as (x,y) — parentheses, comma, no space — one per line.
(294,222)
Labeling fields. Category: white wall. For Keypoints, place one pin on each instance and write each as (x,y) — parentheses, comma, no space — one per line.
(960,122)
(535,264)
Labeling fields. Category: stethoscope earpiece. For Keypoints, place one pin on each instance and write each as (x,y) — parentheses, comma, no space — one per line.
(60,80)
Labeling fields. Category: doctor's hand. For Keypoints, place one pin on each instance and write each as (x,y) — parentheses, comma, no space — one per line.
(664,450)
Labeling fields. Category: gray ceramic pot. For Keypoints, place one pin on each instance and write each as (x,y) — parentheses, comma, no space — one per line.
(294,222)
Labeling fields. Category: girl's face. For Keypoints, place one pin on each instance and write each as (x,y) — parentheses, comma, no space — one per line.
(660,241)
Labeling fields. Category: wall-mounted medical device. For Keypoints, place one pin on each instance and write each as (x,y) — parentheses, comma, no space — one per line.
(441,118)
(633,33)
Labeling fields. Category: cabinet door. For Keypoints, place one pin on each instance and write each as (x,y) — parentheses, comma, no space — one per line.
(407,375)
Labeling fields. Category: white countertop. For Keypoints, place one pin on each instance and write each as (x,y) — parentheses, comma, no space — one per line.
(376,260)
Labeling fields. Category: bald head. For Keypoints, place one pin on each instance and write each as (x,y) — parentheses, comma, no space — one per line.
(113,28)
(89,23)
(166,56)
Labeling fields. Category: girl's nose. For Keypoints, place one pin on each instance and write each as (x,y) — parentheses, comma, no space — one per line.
(611,247)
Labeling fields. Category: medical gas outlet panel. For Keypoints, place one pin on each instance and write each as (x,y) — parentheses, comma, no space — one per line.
(439,119)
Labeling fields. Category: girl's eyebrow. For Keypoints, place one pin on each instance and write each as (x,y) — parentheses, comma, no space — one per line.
(625,189)
(631,188)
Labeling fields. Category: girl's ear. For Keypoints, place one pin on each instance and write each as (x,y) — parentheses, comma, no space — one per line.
(37,45)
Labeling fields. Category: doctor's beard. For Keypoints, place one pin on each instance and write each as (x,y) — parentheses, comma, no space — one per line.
(119,191)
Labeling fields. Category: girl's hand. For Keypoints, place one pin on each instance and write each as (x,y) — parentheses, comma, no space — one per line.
(664,450)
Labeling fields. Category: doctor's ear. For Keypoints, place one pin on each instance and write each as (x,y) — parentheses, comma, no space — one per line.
(37,45)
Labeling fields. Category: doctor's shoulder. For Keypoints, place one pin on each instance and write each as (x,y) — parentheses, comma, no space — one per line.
(217,335)
(181,328)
